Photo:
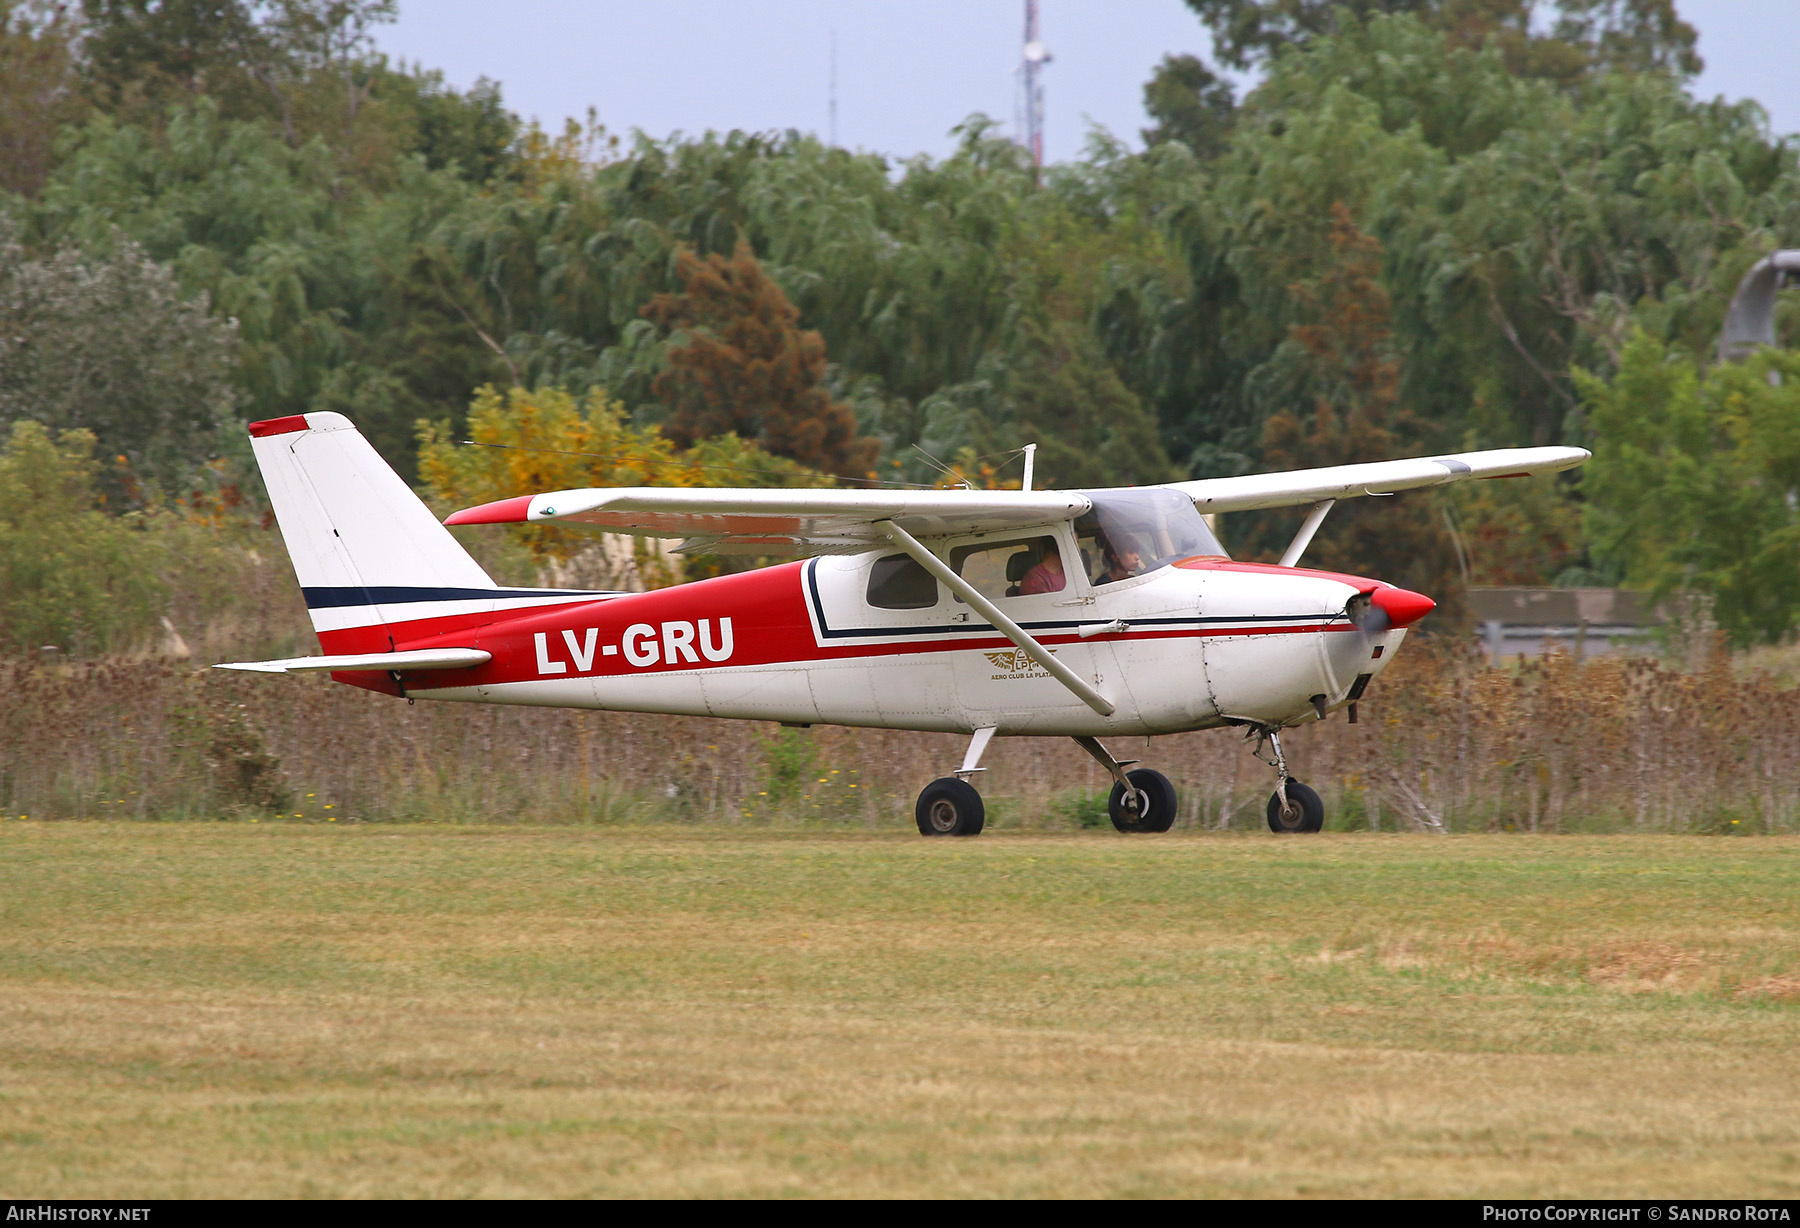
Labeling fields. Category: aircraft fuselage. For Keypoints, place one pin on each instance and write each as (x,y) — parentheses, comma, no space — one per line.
(1196,644)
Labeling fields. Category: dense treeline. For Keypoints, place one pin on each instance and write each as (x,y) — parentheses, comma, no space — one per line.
(1434,224)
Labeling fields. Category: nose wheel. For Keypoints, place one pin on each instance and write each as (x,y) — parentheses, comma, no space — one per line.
(1293,807)
(1300,811)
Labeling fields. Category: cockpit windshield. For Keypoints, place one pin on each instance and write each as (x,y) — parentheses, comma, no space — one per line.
(1130,532)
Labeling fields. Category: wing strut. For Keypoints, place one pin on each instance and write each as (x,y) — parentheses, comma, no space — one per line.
(1304,537)
(982,606)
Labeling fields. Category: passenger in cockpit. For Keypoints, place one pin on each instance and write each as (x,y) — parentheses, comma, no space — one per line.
(1046,577)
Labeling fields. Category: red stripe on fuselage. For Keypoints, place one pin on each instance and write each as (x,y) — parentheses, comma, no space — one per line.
(769,624)
(438,631)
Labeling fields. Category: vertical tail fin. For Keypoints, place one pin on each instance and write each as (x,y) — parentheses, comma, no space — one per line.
(378,571)
(348,519)
(362,544)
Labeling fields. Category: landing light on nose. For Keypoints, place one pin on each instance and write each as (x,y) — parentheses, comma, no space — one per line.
(1402,606)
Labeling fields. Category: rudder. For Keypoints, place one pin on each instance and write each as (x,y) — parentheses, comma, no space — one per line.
(359,539)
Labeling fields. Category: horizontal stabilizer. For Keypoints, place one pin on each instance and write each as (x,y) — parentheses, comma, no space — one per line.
(425,658)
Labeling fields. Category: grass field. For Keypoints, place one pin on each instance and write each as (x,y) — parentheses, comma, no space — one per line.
(233,1009)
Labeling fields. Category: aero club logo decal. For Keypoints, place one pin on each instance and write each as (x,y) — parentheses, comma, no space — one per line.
(1016,663)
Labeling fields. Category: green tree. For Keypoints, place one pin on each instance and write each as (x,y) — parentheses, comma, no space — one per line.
(1630,35)
(383,259)
(1061,393)
(258,226)
(534,441)
(70,575)
(1695,482)
(1190,104)
(340,296)
(39,90)
(1342,360)
(307,67)
(108,344)
(470,130)
(1635,35)
(274,58)
(1525,229)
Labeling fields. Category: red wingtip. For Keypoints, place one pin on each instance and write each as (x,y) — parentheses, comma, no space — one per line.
(277,426)
(501,511)
(1404,607)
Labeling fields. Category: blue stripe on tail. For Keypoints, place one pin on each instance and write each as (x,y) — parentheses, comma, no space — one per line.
(355,595)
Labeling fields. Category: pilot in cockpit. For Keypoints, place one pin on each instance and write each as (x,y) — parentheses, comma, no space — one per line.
(1122,560)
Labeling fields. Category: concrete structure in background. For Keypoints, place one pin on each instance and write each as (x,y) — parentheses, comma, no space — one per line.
(1587,622)
(1750,320)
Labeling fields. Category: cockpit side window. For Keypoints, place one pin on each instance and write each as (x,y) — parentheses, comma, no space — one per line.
(1131,532)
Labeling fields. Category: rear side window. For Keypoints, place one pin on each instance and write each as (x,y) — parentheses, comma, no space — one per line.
(897,582)
(1011,569)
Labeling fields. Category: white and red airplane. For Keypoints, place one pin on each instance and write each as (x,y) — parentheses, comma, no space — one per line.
(1078,614)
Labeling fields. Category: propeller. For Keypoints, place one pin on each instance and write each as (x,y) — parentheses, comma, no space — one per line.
(1366,616)
(1383,607)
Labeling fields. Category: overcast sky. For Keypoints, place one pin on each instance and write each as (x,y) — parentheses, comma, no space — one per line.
(906,72)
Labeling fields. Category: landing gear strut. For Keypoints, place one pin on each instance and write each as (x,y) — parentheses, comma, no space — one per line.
(1141,801)
(950,806)
(1293,807)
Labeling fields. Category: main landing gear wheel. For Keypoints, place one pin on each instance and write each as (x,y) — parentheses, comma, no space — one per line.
(950,807)
(1156,803)
(1304,811)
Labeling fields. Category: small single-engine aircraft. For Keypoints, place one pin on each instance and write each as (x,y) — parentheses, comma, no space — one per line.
(1077,614)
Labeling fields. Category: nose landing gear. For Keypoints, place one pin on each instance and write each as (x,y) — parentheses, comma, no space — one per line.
(1293,807)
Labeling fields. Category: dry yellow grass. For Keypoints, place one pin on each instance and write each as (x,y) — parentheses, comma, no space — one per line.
(1615,744)
(229,1010)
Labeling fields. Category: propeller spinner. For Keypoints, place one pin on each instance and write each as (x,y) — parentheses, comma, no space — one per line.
(1386,606)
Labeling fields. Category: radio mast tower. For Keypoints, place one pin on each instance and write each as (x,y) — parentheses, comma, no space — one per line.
(1030,118)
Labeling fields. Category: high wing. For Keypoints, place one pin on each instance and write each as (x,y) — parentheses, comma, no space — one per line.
(1298,486)
(774,522)
(771,522)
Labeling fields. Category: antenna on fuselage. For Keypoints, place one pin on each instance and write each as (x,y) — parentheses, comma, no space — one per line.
(1030,451)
